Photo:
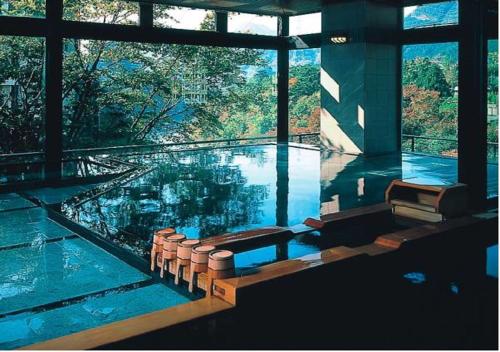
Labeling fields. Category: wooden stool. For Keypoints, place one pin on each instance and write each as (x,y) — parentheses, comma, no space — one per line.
(199,262)
(169,253)
(157,248)
(220,266)
(184,257)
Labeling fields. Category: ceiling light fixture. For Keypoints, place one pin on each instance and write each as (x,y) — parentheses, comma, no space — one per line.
(339,39)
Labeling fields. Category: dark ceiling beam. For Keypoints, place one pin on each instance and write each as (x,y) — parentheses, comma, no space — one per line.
(257,7)
(442,34)
(100,31)
(23,26)
(113,32)
(419,2)
(305,41)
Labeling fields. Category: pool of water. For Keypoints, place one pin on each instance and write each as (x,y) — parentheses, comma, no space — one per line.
(208,192)
(12,173)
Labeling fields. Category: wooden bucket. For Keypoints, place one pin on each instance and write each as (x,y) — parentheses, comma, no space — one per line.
(170,245)
(159,236)
(199,254)
(184,249)
(221,260)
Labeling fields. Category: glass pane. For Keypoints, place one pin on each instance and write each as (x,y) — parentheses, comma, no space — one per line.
(23,8)
(110,11)
(118,93)
(492,166)
(304,95)
(22,94)
(305,24)
(430,102)
(252,24)
(183,18)
(430,15)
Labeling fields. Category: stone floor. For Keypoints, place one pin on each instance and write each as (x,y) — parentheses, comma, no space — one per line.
(54,282)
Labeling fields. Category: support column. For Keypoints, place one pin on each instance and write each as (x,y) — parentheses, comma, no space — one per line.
(359,78)
(283,67)
(221,22)
(472,114)
(53,92)
(146,15)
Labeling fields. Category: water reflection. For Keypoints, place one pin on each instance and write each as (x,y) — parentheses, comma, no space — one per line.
(201,193)
(212,191)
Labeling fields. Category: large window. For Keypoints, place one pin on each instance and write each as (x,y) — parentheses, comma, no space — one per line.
(430,99)
(183,18)
(492,165)
(23,8)
(22,100)
(431,15)
(304,94)
(118,93)
(109,11)
(252,24)
(305,24)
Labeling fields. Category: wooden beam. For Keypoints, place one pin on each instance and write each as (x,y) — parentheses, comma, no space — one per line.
(134,327)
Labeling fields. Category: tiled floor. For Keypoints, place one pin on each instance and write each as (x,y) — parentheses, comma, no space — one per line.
(10,201)
(53,282)
(55,195)
(28,227)
(48,273)
(28,328)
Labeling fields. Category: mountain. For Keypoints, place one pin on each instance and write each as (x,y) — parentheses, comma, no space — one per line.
(432,15)
(429,15)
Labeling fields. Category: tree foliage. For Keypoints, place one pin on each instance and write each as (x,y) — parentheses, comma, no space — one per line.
(426,74)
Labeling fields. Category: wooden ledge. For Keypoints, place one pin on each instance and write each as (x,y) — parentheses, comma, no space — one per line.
(132,327)
(245,240)
(227,288)
(348,215)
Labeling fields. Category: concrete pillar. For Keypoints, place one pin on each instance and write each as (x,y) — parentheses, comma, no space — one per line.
(360,79)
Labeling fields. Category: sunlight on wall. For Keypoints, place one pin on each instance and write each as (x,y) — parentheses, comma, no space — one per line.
(336,138)
(361,117)
(330,85)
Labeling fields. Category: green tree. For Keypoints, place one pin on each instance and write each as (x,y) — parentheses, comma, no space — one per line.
(120,93)
(427,74)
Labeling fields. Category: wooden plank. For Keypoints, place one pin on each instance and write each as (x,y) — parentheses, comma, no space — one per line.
(346,216)
(246,240)
(227,289)
(121,330)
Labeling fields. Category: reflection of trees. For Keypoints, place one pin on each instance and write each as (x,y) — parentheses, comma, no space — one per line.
(201,190)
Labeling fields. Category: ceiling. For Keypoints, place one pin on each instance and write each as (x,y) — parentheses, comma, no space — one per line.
(262,7)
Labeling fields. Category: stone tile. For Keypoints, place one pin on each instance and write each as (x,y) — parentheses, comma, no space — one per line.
(10,201)
(51,272)
(57,195)
(28,226)
(28,328)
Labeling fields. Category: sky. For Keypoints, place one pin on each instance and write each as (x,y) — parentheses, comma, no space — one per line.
(191,19)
